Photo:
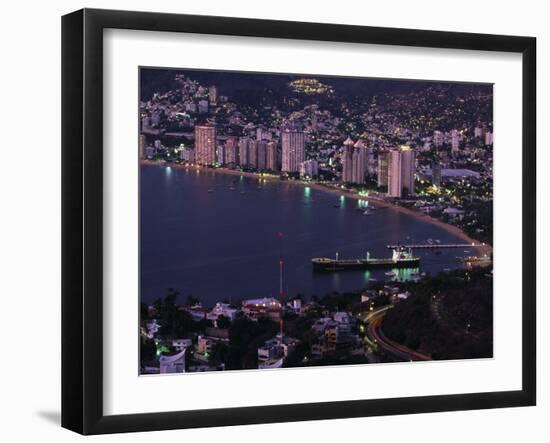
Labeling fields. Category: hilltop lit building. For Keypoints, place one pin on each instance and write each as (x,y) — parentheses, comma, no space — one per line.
(293,144)
(401,166)
(205,144)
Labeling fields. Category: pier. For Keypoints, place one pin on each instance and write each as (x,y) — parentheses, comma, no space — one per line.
(438,246)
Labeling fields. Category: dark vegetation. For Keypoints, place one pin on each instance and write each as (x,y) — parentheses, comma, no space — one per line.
(449,316)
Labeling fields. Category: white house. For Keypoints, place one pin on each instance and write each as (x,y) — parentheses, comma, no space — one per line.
(222,309)
(341,317)
(262,307)
(152,328)
(181,343)
(172,364)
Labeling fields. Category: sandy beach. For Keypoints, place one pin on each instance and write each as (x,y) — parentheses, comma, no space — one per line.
(479,251)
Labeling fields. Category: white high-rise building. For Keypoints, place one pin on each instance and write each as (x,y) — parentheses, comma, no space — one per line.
(243,151)
(293,145)
(205,144)
(359,160)
(252,154)
(438,138)
(479,132)
(347,161)
(455,141)
(401,166)
(202,106)
(261,152)
(383,168)
(220,154)
(272,156)
(213,94)
(488,138)
(231,151)
(309,168)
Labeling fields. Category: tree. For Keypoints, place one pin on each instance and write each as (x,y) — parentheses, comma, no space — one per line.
(223,322)
(147,350)
(192,301)
(143,312)
(219,354)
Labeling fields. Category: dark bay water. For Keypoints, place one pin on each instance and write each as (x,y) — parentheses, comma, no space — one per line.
(206,240)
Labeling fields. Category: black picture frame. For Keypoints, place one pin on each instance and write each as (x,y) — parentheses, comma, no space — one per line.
(82,218)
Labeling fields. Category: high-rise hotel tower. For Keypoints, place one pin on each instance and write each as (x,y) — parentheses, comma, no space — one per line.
(293,146)
(205,144)
(401,166)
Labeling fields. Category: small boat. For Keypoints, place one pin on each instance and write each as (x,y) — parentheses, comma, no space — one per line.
(390,274)
(232,188)
(243,192)
(210,190)
(372,280)
(368,212)
(430,241)
(415,274)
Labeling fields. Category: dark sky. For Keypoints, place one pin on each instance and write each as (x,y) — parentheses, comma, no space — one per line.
(234,84)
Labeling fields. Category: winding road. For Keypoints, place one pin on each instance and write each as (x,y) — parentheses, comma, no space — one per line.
(376,335)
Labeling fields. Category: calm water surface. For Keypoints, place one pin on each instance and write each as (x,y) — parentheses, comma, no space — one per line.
(212,242)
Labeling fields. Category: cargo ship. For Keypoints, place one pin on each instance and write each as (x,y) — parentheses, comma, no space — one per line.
(401,258)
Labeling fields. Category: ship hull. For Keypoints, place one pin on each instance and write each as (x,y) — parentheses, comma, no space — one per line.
(356,265)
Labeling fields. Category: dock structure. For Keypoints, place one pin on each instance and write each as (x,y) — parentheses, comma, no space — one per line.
(438,246)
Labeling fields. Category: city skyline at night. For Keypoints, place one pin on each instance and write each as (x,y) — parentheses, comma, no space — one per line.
(376,194)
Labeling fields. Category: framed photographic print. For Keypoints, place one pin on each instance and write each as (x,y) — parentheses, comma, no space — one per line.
(270,221)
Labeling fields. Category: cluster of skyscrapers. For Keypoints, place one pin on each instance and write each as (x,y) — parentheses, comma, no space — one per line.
(396,167)
(258,153)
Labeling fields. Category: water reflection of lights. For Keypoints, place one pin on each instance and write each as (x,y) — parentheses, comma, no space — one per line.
(405,274)
(367,276)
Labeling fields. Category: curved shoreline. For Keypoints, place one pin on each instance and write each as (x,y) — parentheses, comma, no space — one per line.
(486,249)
